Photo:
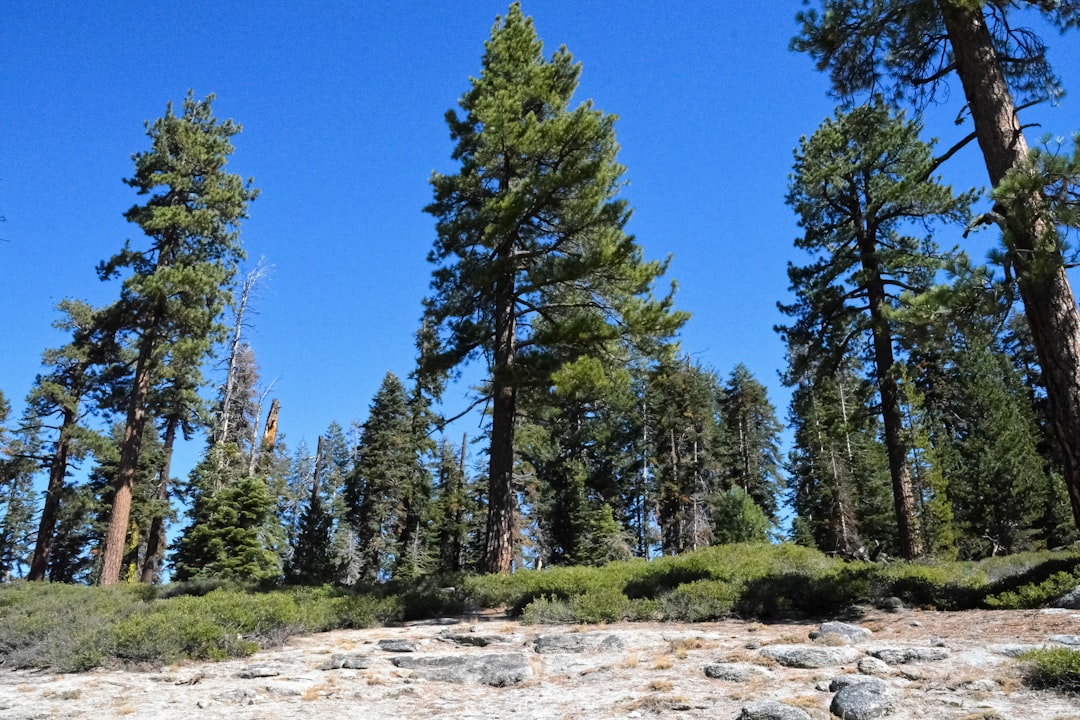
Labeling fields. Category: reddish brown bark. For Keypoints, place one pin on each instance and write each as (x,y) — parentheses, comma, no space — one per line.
(116,536)
(1048,298)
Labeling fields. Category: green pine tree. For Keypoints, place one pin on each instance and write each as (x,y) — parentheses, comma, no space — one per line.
(750,441)
(860,185)
(531,226)
(386,458)
(909,49)
(176,288)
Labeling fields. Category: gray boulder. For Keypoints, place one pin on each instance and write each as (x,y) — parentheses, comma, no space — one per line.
(810,656)
(841,632)
(839,683)
(243,696)
(576,643)
(873,666)
(495,670)
(891,604)
(1069,601)
(902,656)
(772,710)
(864,700)
(400,646)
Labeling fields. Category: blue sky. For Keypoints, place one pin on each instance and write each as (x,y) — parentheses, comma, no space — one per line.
(342,106)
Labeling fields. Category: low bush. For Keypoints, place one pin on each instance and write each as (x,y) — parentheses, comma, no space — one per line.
(1057,668)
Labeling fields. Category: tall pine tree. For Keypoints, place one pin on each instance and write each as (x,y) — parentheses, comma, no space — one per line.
(178,286)
(531,226)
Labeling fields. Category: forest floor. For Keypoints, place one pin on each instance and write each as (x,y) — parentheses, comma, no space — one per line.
(489,667)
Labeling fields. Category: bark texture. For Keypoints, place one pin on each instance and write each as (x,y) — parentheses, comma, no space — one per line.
(1049,302)
(500,520)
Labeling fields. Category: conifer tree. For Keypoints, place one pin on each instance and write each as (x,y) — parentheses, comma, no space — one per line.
(910,49)
(77,370)
(838,471)
(177,287)
(684,426)
(861,183)
(453,511)
(531,226)
(749,452)
(386,459)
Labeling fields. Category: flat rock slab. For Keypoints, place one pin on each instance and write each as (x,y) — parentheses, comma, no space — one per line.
(903,656)
(477,639)
(863,699)
(843,681)
(734,672)
(841,631)
(577,643)
(260,670)
(495,670)
(399,646)
(342,661)
(810,656)
(1065,639)
(772,710)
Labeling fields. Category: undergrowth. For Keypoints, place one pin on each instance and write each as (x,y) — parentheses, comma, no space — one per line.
(73,628)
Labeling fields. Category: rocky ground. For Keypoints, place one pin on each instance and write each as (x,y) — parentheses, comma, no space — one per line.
(907,664)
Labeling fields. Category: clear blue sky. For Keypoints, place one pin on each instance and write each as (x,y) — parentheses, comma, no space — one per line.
(342,105)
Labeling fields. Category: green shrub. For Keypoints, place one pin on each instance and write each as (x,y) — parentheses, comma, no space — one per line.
(600,606)
(548,611)
(1057,668)
(1035,594)
(699,601)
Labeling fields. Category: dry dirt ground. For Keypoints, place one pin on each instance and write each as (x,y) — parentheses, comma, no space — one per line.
(647,671)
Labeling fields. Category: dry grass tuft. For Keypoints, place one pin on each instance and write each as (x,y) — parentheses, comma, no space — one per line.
(662,663)
(660,686)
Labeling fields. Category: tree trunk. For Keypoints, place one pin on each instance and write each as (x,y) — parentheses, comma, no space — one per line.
(116,536)
(907,520)
(156,540)
(500,519)
(57,472)
(1049,303)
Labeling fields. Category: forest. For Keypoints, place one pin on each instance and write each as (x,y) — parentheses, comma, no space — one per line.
(935,400)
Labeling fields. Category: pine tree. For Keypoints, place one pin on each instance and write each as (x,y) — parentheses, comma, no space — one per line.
(531,226)
(683,420)
(227,536)
(454,511)
(860,184)
(386,458)
(909,49)
(750,441)
(172,300)
(838,471)
(77,371)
